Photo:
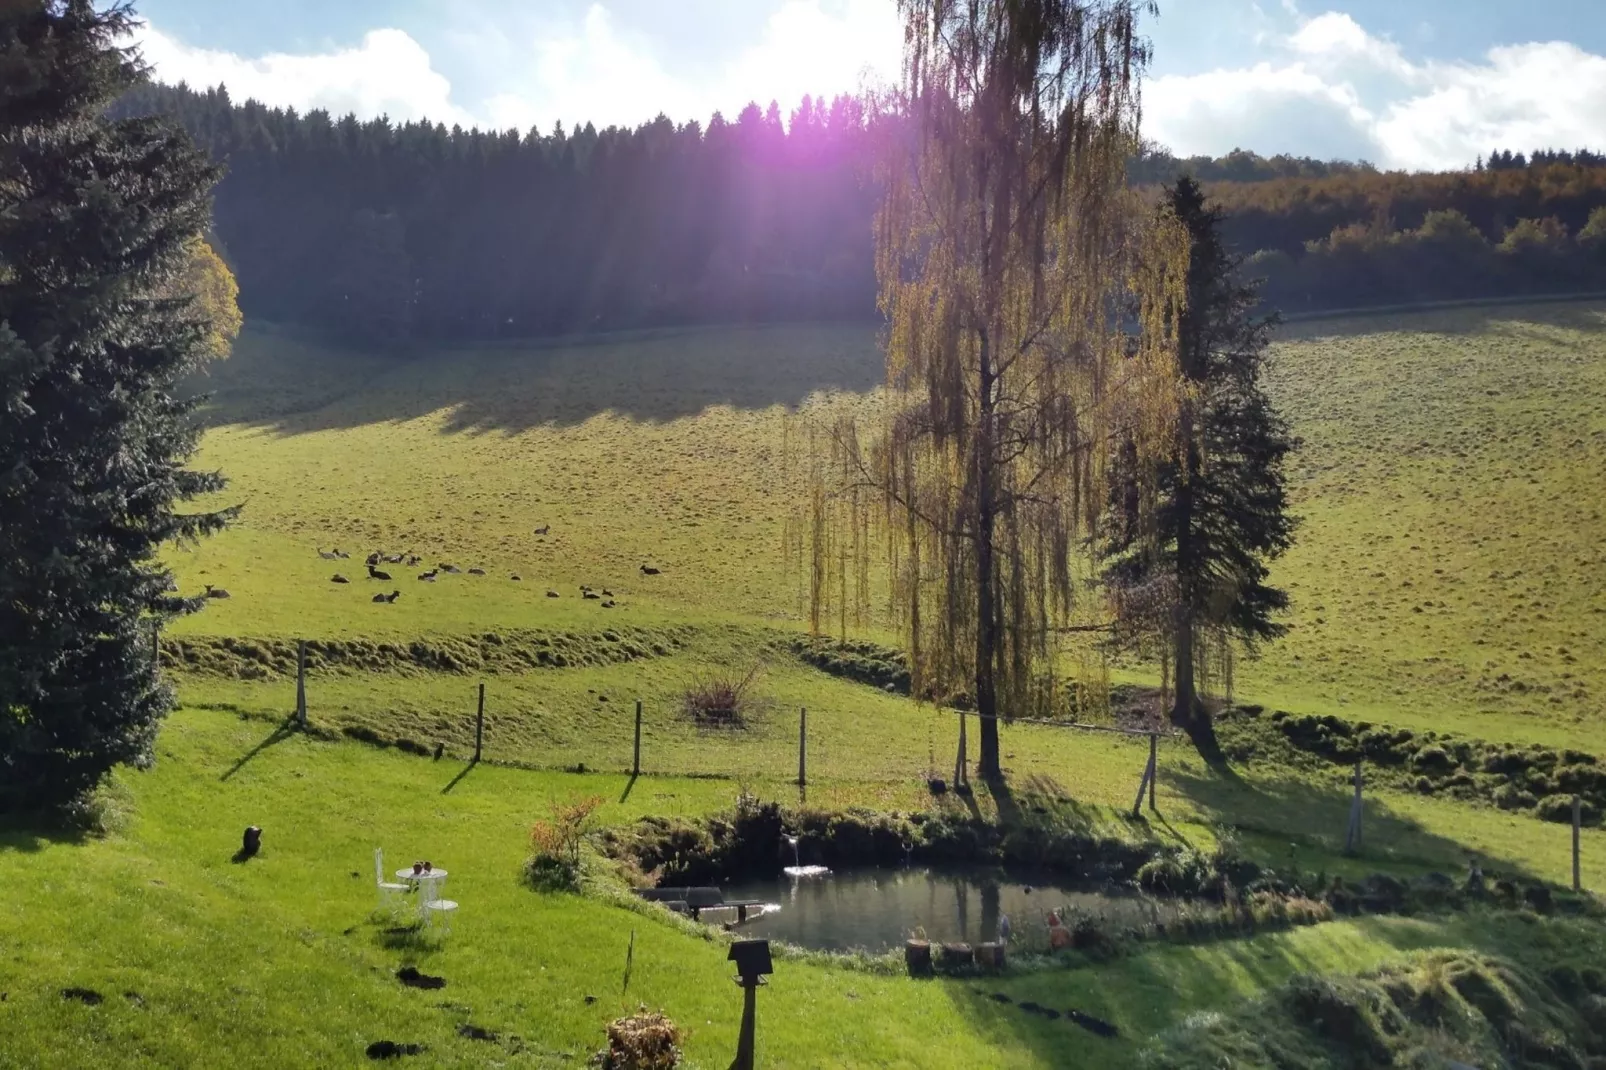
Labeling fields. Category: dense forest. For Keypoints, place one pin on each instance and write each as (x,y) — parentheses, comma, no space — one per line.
(387,232)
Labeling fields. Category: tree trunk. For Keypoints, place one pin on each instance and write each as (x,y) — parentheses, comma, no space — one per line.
(1187,712)
(986,592)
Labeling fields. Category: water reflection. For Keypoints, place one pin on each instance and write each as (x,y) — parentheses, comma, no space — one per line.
(877,909)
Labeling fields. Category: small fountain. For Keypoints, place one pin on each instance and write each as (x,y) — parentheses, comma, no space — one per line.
(797,868)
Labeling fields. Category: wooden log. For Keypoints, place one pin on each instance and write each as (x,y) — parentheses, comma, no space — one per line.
(990,956)
(917,956)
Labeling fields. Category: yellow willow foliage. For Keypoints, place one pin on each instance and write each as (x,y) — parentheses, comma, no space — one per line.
(1030,300)
(207,282)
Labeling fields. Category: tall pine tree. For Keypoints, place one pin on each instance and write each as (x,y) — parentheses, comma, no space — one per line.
(1187,541)
(95,217)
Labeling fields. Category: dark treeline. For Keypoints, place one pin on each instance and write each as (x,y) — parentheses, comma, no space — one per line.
(385,232)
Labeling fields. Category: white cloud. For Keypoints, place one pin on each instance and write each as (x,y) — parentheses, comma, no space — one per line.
(593,70)
(1328,88)
(1524,97)
(388,74)
(1338,90)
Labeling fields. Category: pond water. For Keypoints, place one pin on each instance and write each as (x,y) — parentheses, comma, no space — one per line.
(877,909)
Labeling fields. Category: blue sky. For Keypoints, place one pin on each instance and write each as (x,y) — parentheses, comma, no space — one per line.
(1405,83)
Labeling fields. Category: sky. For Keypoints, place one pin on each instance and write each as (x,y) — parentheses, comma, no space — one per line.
(1406,84)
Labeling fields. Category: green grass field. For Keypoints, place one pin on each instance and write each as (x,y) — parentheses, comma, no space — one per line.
(1449,575)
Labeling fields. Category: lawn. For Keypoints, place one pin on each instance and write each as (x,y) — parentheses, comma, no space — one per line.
(1449,575)
(278,961)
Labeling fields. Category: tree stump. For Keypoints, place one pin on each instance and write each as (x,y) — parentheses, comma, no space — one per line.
(955,958)
(917,955)
(990,956)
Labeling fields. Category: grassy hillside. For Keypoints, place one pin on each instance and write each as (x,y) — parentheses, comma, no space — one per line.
(1450,571)
(1449,575)
(279,962)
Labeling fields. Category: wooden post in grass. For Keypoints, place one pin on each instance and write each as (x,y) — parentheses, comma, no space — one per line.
(301,684)
(635,760)
(802,746)
(1352,836)
(959,760)
(1154,767)
(1146,785)
(1578,823)
(479,723)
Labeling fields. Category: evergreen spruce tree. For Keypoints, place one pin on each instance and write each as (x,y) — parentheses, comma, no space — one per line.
(95,220)
(1187,541)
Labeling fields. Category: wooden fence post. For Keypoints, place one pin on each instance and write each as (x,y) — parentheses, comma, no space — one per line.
(635,760)
(1352,836)
(802,746)
(959,760)
(1146,785)
(301,684)
(1578,823)
(1154,766)
(479,723)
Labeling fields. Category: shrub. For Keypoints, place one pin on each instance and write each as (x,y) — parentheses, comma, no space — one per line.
(645,1041)
(719,701)
(1433,760)
(554,863)
(1511,797)
(1559,808)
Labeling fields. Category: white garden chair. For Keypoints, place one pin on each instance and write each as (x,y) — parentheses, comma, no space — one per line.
(390,893)
(442,908)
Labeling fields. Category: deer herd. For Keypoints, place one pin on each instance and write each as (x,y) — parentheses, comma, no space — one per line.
(603,596)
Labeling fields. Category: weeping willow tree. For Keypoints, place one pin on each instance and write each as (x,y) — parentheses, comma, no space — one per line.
(1027,298)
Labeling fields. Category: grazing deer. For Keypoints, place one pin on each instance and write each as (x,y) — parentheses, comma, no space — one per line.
(373,559)
(335,556)
(387,598)
(543,529)
(427,577)
(552,594)
(648,570)
(338,578)
(215,592)
(375,574)
(590,595)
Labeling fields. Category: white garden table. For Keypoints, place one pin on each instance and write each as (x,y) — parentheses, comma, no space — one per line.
(429,881)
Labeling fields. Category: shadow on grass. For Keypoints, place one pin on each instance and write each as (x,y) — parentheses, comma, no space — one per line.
(630,785)
(284,731)
(461,773)
(652,375)
(1584,315)
(1303,816)
(33,832)
(1140,994)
